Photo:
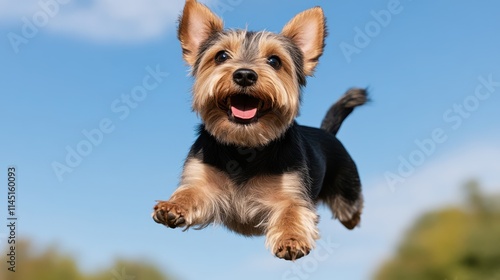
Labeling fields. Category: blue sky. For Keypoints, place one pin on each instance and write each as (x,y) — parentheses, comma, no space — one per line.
(432,69)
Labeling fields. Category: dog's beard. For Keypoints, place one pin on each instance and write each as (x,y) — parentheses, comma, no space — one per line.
(257,133)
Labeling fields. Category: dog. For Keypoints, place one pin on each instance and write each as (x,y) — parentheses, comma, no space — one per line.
(252,167)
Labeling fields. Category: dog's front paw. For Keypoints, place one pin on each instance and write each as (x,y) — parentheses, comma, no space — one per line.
(291,249)
(169,214)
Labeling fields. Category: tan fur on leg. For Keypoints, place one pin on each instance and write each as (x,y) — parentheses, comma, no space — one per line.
(202,195)
(291,227)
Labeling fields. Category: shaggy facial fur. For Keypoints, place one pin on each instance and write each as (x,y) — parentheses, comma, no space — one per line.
(253,168)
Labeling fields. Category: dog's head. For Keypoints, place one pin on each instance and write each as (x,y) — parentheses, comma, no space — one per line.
(248,84)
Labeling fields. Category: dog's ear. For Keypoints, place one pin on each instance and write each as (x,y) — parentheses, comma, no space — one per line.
(196,25)
(308,31)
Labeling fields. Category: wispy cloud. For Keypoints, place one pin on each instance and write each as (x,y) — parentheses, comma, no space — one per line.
(12,10)
(103,20)
(122,20)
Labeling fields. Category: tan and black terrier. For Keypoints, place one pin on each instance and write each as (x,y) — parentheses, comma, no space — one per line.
(253,168)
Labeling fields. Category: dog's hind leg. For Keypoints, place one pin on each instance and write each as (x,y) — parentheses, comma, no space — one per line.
(346,203)
(342,190)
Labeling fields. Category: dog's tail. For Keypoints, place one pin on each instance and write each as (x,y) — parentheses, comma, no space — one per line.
(341,109)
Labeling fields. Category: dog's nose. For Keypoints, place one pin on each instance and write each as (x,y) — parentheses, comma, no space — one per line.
(245,77)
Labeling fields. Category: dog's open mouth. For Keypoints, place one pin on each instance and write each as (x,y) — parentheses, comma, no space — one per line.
(243,108)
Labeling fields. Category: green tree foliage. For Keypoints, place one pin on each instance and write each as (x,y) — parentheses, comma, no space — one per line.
(52,265)
(456,243)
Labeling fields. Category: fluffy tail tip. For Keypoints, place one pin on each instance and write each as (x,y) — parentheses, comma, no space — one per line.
(354,97)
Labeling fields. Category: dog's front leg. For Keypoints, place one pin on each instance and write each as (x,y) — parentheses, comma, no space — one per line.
(292,224)
(200,199)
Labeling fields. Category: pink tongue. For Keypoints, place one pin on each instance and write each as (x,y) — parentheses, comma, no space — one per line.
(245,114)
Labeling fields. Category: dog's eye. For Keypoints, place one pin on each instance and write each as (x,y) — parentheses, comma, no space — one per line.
(274,61)
(221,56)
